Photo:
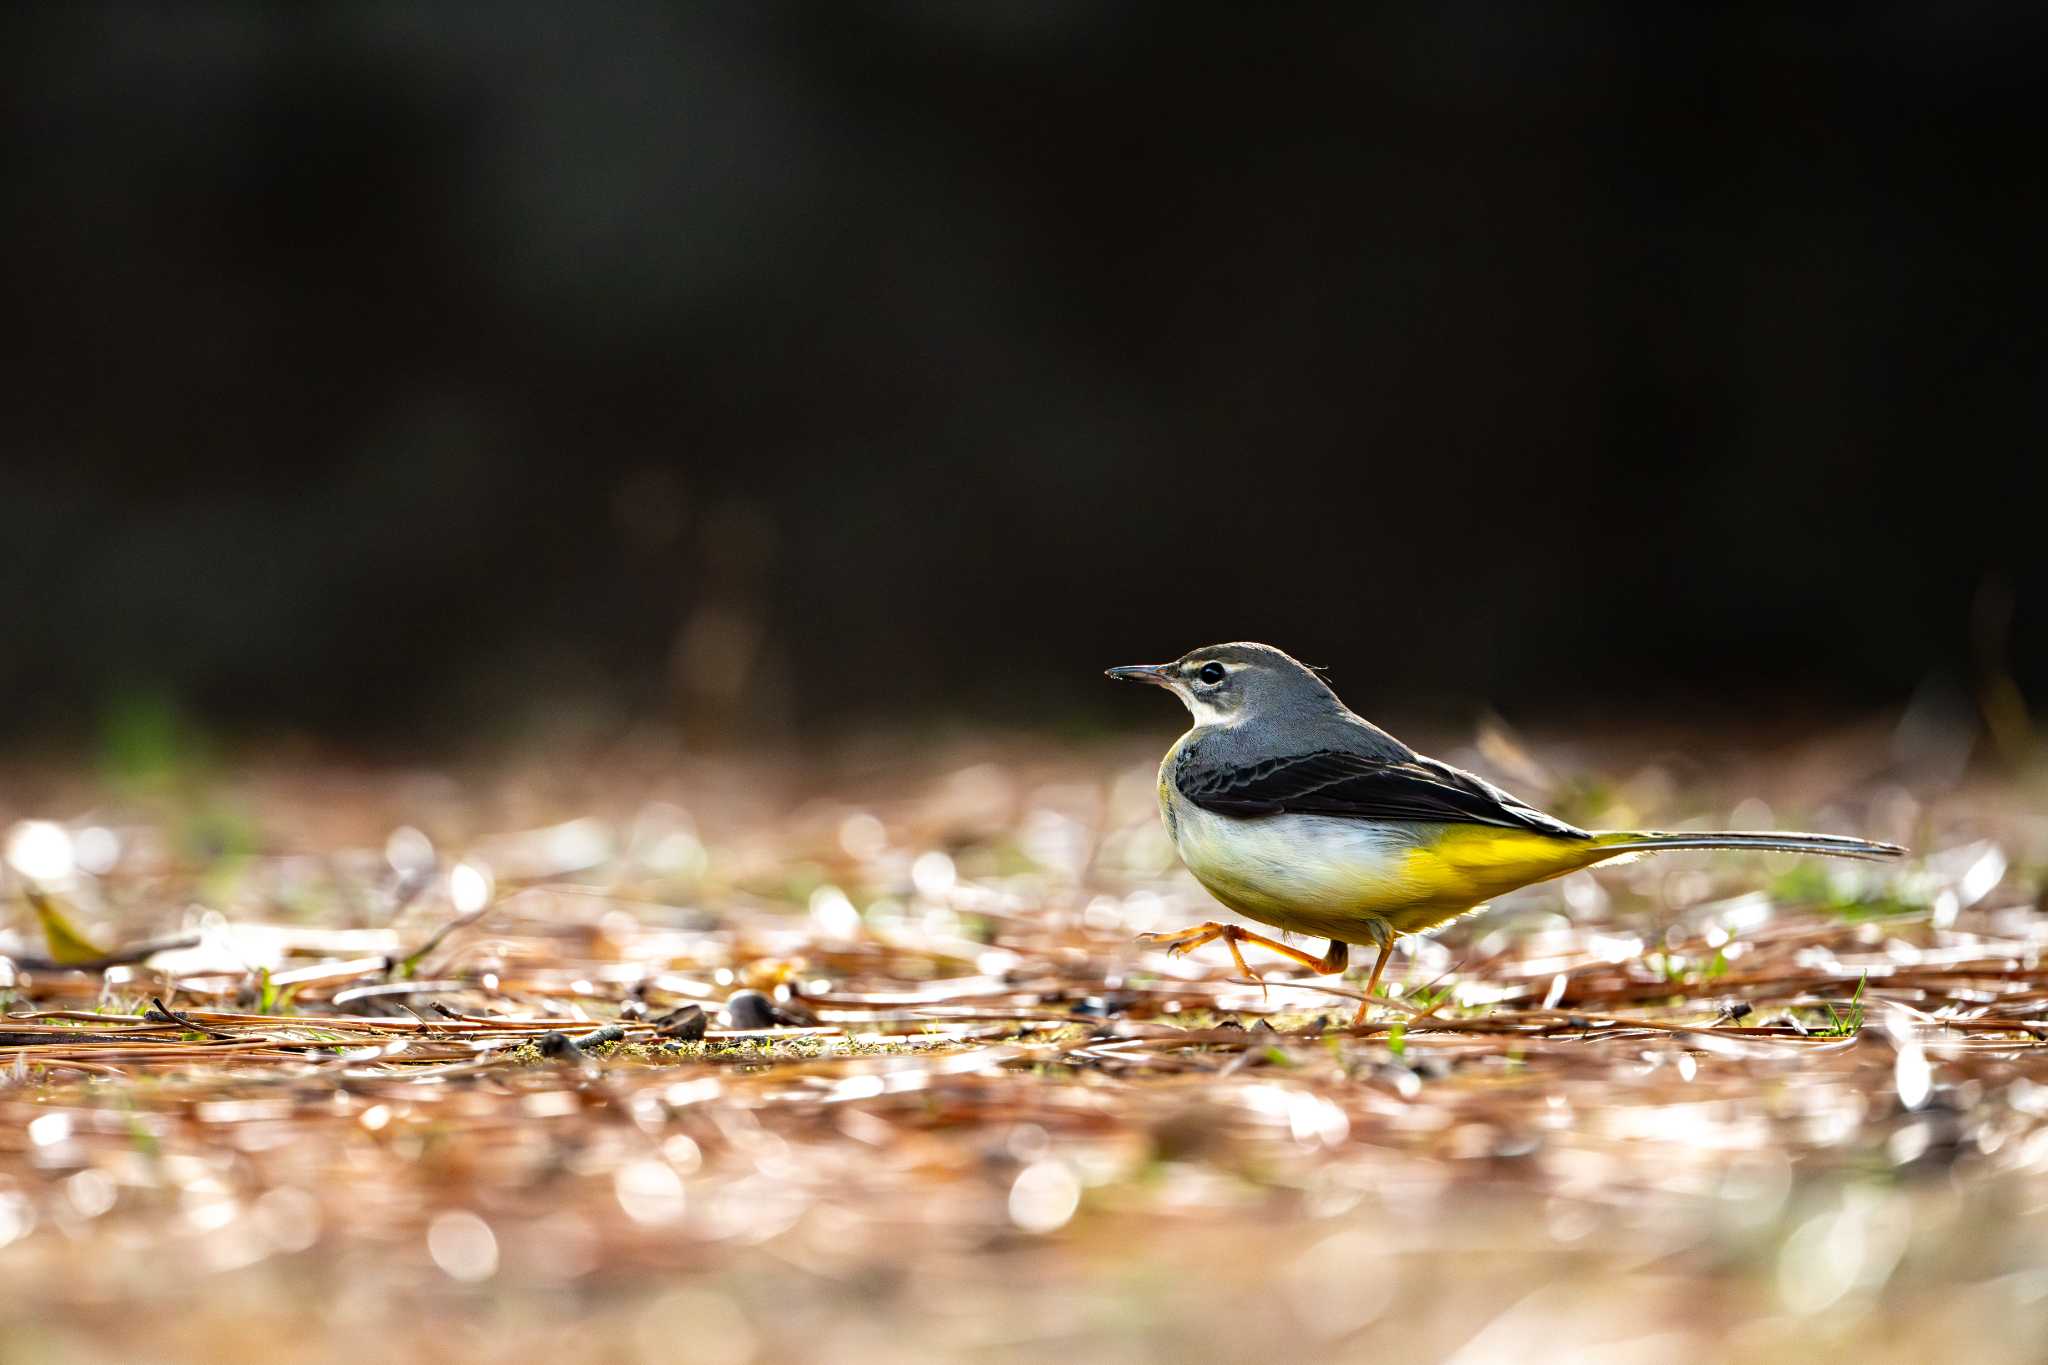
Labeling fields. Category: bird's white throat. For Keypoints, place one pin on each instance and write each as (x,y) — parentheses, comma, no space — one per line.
(1206,714)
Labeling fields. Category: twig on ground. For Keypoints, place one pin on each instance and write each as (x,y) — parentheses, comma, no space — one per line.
(404,965)
(161,1013)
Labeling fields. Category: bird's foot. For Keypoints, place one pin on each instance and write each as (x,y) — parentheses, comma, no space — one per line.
(1183,940)
(1187,940)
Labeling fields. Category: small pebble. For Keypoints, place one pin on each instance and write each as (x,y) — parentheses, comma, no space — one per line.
(746,1010)
(1113,1003)
(686,1024)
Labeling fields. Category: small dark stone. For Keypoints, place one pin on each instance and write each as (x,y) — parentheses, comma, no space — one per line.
(1110,1004)
(686,1024)
(746,1010)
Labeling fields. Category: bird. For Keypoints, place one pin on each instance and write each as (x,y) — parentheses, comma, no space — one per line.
(1293,811)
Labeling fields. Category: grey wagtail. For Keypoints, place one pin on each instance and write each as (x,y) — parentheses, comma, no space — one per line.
(1295,812)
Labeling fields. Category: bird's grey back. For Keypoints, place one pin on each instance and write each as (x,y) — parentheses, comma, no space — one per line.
(1294,747)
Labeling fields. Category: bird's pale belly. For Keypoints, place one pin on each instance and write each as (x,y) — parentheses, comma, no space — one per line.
(1355,880)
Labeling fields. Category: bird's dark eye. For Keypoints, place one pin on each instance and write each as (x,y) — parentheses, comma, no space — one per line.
(1211,674)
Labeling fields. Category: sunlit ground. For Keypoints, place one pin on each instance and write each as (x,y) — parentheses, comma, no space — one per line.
(1702,1107)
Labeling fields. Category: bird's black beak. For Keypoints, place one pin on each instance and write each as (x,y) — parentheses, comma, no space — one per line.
(1159,675)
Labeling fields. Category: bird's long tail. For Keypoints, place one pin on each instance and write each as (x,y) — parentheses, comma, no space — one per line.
(1772,841)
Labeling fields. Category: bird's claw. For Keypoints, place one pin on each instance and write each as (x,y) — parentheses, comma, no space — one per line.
(1187,940)
(1181,943)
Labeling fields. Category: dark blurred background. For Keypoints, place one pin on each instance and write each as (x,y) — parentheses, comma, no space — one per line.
(395,372)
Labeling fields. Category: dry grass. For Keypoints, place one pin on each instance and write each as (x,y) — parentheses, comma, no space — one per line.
(1700,1105)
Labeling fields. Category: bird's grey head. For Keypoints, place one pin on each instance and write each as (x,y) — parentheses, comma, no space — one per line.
(1230,684)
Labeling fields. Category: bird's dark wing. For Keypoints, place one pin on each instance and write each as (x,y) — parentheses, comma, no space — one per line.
(1358,787)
